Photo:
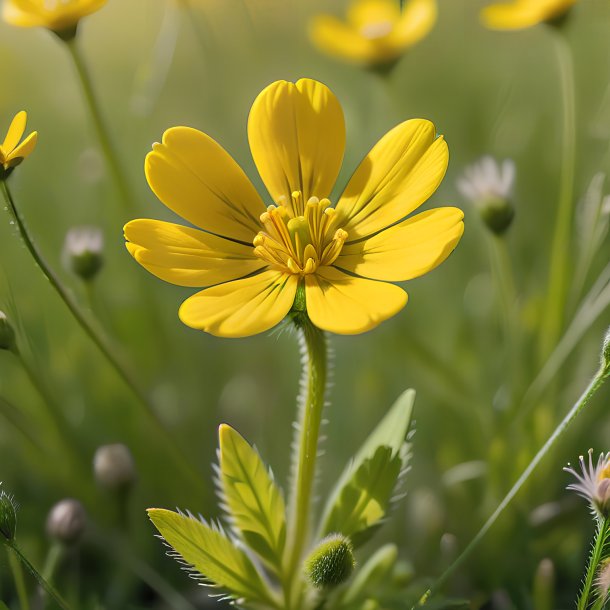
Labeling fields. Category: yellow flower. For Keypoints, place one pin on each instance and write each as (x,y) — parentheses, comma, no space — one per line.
(12,153)
(56,15)
(521,14)
(375,32)
(254,260)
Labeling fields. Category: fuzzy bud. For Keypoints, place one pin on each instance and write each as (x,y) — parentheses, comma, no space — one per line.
(114,467)
(82,254)
(331,562)
(606,351)
(7,333)
(67,521)
(8,517)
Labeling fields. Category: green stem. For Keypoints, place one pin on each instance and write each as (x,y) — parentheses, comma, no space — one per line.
(194,20)
(103,134)
(314,350)
(47,586)
(597,381)
(100,341)
(560,247)
(50,565)
(596,556)
(17,570)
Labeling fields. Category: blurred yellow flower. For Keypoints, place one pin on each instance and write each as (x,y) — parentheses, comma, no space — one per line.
(255,260)
(56,15)
(520,14)
(375,32)
(12,153)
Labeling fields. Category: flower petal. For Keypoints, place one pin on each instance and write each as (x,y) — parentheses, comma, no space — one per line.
(340,40)
(13,14)
(15,132)
(297,138)
(196,178)
(401,171)
(24,149)
(188,257)
(406,250)
(241,308)
(522,14)
(348,305)
(417,19)
(363,13)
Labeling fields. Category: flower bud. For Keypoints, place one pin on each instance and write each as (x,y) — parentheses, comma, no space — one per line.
(331,562)
(67,521)
(606,350)
(8,517)
(7,334)
(114,467)
(83,251)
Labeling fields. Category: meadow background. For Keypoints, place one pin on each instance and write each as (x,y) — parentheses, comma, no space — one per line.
(488,93)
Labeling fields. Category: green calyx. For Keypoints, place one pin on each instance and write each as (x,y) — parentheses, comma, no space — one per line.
(331,562)
(8,517)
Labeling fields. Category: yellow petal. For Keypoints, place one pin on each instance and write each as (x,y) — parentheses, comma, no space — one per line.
(196,178)
(335,38)
(406,250)
(188,257)
(58,16)
(523,13)
(24,149)
(15,132)
(241,308)
(401,171)
(417,19)
(14,15)
(363,13)
(297,138)
(347,305)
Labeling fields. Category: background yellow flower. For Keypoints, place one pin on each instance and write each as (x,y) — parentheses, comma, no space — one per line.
(375,31)
(253,260)
(56,15)
(12,150)
(521,14)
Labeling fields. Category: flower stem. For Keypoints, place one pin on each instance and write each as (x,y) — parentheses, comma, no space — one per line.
(103,134)
(314,350)
(100,341)
(560,250)
(47,586)
(17,570)
(597,381)
(601,537)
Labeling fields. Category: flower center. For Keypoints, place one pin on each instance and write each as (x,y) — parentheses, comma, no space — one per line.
(376,29)
(300,244)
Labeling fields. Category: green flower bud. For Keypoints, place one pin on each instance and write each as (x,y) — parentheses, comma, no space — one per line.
(497,214)
(606,350)
(7,334)
(8,517)
(67,521)
(331,562)
(114,467)
(83,251)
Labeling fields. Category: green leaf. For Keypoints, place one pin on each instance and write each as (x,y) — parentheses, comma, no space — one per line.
(210,552)
(360,499)
(253,500)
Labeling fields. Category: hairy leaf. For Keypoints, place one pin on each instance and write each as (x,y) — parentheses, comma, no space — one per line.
(210,552)
(253,500)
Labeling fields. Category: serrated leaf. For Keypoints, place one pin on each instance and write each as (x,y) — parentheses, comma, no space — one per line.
(360,499)
(252,498)
(210,552)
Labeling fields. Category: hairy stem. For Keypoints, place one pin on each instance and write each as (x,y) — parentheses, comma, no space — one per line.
(601,536)
(314,350)
(596,383)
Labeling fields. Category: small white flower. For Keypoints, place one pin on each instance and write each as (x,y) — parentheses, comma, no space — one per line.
(83,251)
(593,482)
(487,179)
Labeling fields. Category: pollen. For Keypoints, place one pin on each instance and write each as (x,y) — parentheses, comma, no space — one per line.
(301,241)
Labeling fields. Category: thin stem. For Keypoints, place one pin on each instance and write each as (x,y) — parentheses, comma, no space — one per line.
(54,555)
(100,341)
(560,247)
(47,586)
(103,134)
(314,350)
(17,570)
(597,381)
(596,556)
(195,22)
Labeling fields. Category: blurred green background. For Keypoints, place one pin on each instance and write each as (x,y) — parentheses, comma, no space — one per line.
(153,67)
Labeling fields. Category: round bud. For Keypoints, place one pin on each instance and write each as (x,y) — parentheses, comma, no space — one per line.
(7,333)
(83,248)
(8,517)
(114,467)
(67,521)
(331,562)
(497,213)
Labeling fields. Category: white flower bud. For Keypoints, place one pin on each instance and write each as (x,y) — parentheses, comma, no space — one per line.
(82,253)
(67,521)
(114,467)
